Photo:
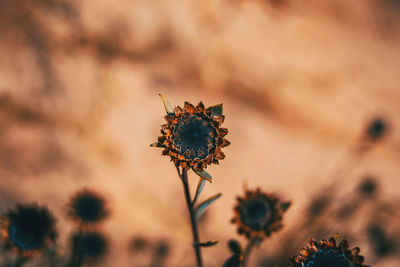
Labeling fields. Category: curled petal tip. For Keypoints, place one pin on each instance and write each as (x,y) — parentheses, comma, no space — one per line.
(168,107)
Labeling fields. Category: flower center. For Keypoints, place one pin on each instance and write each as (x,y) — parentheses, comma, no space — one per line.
(88,208)
(256,214)
(328,258)
(194,137)
(28,235)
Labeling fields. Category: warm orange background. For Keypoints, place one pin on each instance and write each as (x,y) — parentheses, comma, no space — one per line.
(299,81)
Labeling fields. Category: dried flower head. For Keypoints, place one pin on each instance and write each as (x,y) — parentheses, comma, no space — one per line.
(28,230)
(328,254)
(193,136)
(87,207)
(258,214)
(89,246)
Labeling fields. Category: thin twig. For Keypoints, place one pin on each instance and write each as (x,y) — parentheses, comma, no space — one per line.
(184,178)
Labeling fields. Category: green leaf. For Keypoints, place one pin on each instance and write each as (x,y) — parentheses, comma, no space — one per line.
(216,110)
(205,204)
(209,243)
(168,107)
(200,187)
(205,175)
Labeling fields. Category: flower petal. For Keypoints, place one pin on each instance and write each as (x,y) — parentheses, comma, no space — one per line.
(219,154)
(190,108)
(215,110)
(178,110)
(167,105)
(219,120)
(200,107)
(156,144)
(223,131)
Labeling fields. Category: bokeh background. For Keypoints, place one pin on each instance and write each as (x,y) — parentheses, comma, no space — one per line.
(301,82)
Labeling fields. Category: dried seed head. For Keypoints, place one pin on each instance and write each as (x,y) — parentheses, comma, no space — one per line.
(328,254)
(258,214)
(193,136)
(28,230)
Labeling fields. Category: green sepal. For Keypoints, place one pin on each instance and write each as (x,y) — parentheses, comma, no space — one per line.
(203,206)
(205,175)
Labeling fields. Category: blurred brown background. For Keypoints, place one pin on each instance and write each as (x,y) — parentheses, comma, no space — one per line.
(300,82)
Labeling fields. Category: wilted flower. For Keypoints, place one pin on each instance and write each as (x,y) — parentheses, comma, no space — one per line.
(193,136)
(89,246)
(28,230)
(258,214)
(328,254)
(87,207)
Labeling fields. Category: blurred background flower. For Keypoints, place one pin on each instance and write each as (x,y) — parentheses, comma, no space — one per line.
(28,230)
(303,86)
(87,207)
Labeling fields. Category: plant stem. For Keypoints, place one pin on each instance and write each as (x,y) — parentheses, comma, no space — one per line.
(247,252)
(184,178)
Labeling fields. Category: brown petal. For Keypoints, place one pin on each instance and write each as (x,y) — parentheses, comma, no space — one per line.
(178,110)
(190,108)
(225,143)
(200,107)
(219,154)
(219,120)
(223,131)
(169,118)
(216,110)
(165,128)
(208,159)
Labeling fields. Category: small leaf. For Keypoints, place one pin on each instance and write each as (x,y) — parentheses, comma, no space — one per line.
(234,247)
(205,175)
(168,107)
(156,144)
(232,261)
(216,110)
(206,244)
(205,204)
(285,205)
(200,187)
